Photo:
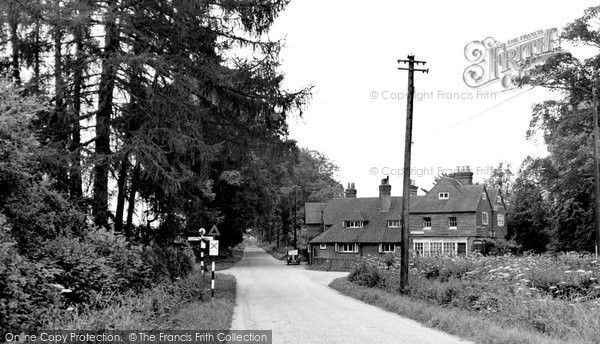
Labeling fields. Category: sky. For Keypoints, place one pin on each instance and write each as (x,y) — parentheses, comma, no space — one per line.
(348,50)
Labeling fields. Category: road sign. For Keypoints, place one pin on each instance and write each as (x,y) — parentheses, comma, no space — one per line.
(202,244)
(194,238)
(214,231)
(213,248)
(202,231)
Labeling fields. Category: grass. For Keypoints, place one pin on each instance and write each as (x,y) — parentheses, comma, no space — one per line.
(185,304)
(211,315)
(453,321)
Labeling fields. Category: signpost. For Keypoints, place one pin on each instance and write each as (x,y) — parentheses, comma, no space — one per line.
(213,250)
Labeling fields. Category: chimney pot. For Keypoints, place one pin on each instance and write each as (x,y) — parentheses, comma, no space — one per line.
(350,191)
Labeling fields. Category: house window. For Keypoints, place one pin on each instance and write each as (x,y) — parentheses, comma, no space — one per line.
(444,195)
(393,223)
(387,248)
(500,220)
(498,199)
(439,247)
(354,224)
(323,246)
(452,222)
(418,247)
(427,223)
(484,218)
(483,197)
(450,248)
(436,248)
(347,248)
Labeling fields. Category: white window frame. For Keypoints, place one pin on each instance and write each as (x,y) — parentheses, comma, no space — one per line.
(322,246)
(425,222)
(498,199)
(500,220)
(393,223)
(484,218)
(347,247)
(455,220)
(444,195)
(385,248)
(419,247)
(354,224)
(425,247)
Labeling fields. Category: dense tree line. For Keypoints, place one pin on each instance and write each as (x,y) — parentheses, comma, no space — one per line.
(126,125)
(168,111)
(551,200)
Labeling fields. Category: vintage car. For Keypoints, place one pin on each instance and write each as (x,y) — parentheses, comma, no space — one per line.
(293,257)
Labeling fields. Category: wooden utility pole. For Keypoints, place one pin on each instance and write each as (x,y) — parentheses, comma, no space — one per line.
(406,181)
(294,188)
(596,167)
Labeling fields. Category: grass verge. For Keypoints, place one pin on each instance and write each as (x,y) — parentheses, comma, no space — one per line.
(453,321)
(210,315)
(185,304)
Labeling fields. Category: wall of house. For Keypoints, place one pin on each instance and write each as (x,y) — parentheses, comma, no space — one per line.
(330,252)
(499,232)
(484,206)
(439,225)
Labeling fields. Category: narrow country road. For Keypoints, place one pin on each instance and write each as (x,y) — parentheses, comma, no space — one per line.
(299,307)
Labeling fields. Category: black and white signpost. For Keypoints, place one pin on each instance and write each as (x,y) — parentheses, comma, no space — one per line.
(213,250)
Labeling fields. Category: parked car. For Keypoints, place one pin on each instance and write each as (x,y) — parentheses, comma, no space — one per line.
(293,257)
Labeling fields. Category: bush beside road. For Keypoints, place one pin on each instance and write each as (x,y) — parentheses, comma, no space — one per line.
(547,296)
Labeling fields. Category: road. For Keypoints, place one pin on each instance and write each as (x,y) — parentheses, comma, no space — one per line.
(299,307)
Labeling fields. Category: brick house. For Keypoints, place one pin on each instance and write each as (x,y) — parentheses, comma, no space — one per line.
(452,218)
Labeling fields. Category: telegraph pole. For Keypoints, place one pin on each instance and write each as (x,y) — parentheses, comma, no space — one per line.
(406,181)
(596,167)
(295,219)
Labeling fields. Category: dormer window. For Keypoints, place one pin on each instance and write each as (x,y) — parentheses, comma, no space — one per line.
(354,224)
(393,223)
(444,195)
(498,199)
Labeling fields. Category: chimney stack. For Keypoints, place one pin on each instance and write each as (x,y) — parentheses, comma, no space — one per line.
(385,194)
(463,174)
(351,191)
(413,188)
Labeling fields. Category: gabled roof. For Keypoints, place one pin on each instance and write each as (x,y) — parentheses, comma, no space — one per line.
(493,193)
(463,198)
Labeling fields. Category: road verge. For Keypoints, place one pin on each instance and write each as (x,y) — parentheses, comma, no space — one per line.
(452,321)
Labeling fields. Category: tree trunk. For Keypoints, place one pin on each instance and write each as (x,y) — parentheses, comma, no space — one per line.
(13,23)
(103,116)
(121,193)
(135,178)
(58,122)
(75,177)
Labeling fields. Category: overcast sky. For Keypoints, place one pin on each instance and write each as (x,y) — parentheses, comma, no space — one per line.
(348,51)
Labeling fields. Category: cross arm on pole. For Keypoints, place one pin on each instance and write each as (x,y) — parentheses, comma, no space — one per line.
(415,69)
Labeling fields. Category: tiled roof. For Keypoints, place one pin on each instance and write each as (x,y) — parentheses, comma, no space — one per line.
(463,198)
(312,213)
(375,222)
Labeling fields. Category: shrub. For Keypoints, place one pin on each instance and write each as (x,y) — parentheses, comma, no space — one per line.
(365,275)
